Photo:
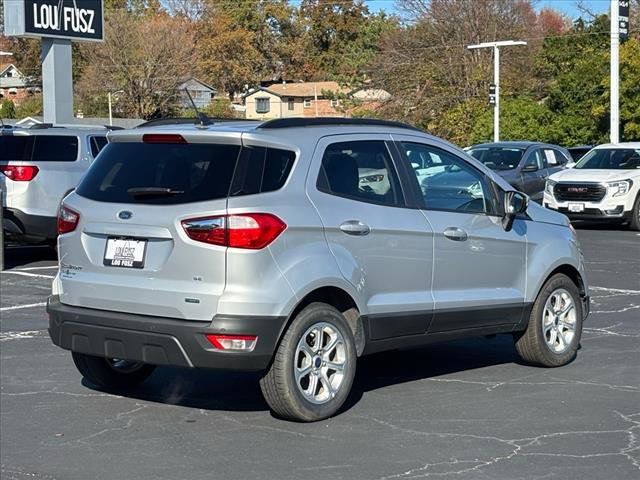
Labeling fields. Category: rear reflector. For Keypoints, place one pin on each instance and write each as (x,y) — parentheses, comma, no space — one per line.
(248,230)
(245,343)
(67,220)
(17,173)
(163,138)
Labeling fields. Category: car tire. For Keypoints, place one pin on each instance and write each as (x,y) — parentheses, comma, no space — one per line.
(111,374)
(552,336)
(313,368)
(634,223)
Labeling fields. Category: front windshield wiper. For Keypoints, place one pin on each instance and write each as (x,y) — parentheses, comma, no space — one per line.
(153,192)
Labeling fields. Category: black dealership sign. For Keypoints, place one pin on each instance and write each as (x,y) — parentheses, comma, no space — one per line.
(71,19)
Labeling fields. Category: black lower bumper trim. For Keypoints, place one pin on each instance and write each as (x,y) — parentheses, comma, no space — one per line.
(160,340)
(22,225)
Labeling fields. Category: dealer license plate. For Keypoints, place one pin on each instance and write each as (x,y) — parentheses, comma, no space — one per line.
(125,252)
(576,207)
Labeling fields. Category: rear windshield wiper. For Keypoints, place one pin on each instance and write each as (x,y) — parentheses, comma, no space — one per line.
(153,192)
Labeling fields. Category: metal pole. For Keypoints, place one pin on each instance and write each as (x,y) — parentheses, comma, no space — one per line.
(57,85)
(615,74)
(496,107)
(110,116)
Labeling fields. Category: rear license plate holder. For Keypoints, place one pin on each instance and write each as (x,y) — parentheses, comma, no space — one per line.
(125,252)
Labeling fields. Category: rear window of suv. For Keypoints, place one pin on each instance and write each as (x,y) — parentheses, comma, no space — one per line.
(183,173)
(39,148)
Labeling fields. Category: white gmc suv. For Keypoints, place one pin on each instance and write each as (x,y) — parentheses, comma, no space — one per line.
(603,185)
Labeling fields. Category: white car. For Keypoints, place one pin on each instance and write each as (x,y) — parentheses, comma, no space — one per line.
(603,185)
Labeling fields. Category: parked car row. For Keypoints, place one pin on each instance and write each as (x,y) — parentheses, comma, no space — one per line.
(39,166)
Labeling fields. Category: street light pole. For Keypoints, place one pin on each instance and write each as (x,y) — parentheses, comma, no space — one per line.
(496,78)
(109,97)
(614,116)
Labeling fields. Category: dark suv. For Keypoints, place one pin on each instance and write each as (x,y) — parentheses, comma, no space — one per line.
(525,165)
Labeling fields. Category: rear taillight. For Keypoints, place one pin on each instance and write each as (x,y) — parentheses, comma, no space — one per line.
(244,343)
(19,173)
(247,230)
(67,220)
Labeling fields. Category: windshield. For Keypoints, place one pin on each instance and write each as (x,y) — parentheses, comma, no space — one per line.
(611,159)
(498,158)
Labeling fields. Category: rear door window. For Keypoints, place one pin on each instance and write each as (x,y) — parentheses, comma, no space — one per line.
(97,143)
(55,148)
(16,148)
(170,173)
(360,170)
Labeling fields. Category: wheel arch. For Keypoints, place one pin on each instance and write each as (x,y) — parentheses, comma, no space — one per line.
(338,298)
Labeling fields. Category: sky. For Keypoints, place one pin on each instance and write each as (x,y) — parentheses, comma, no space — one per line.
(568,7)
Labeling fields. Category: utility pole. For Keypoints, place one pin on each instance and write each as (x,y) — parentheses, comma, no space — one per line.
(614,115)
(496,78)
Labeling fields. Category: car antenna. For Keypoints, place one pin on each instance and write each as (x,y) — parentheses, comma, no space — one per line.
(204,120)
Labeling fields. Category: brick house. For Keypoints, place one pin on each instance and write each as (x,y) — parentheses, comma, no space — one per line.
(14,85)
(307,99)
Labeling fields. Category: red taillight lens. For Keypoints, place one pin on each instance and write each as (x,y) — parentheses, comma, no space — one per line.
(253,230)
(248,230)
(18,173)
(67,220)
(163,138)
(244,343)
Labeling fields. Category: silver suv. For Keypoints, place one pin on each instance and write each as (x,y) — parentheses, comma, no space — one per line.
(292,247)
(38,167)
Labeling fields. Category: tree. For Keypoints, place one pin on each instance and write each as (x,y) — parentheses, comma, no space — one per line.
(7,109)
(31,107)
(427,68)
(343,37)
(241,43)
(146,56)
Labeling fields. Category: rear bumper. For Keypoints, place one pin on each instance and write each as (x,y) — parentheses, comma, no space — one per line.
(160,340)
(23,226)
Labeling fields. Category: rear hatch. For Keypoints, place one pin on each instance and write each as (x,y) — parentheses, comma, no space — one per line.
(130,251)
(37,170)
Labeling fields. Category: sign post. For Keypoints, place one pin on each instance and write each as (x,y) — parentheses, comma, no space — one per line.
(57,22)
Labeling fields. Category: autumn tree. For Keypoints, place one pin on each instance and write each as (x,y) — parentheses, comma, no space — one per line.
(145,56)
(342,36)
(240,43)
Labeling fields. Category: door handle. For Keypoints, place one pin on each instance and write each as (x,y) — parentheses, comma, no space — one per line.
(456,234)
(355,227)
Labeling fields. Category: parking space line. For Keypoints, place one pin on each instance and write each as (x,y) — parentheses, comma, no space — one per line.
(34,268)
(18,307)
(4,336)
(27,274)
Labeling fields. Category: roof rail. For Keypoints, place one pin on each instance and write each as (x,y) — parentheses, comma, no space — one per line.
(318,121)
(186,120)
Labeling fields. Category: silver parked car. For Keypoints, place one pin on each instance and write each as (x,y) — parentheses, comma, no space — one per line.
(265,247)
(38,167)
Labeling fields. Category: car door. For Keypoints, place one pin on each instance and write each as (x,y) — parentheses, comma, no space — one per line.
(383,247)
(533,174)
(479,269)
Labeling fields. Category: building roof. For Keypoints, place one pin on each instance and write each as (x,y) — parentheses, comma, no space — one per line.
(6,66)
(192,80)
(305,89)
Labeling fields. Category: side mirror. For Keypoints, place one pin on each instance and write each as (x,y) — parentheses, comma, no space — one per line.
(515,203)
(530,168)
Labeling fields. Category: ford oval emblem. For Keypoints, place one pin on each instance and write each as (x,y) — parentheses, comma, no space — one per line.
(125,215)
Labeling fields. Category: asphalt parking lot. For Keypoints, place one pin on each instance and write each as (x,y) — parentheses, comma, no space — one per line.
(463,410)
